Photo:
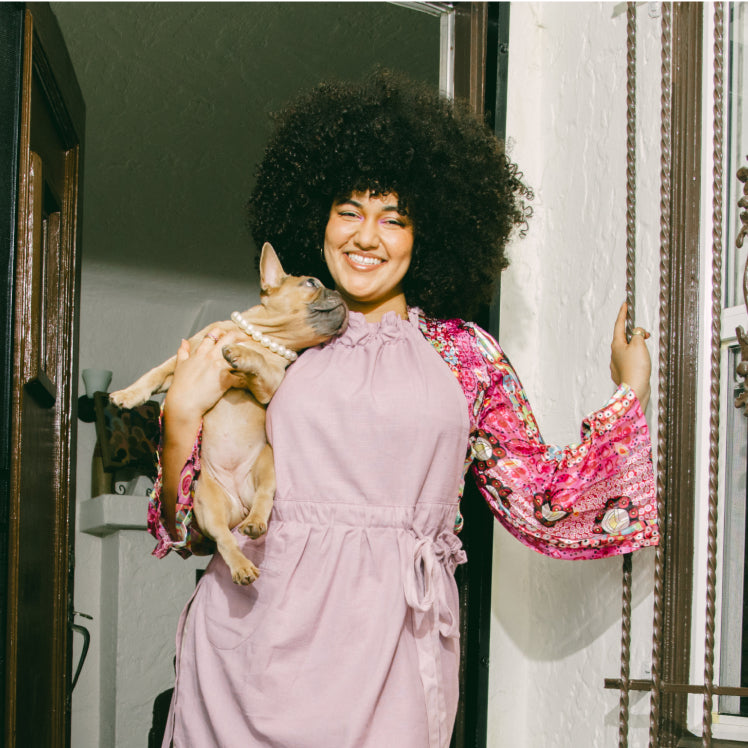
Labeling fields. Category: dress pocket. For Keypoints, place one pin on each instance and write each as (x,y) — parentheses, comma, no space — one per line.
(233,612)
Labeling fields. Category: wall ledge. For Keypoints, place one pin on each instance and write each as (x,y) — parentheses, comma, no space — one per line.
(109,513)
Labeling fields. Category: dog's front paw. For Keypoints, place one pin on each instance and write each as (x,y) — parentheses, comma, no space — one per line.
(242,570)
(245,574)
(128,398)
(253,526)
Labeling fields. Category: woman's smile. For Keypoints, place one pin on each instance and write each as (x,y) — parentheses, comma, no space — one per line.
(368,248)
(365,260)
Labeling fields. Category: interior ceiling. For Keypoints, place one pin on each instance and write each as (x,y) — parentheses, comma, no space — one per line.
(178,97)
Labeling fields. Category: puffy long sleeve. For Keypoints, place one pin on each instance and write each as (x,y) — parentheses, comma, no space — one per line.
(591,499)
(189,539)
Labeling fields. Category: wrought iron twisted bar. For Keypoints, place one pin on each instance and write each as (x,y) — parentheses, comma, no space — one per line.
(663,360)
(623,704)
(714,391)
(636,684)
(630,165)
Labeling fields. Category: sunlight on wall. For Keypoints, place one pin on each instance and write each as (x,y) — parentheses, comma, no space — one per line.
(556,627)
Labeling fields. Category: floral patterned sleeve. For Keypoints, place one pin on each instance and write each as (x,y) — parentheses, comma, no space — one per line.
(189,539)
(591,499)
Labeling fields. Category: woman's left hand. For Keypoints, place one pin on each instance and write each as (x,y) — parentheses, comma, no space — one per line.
(629,360)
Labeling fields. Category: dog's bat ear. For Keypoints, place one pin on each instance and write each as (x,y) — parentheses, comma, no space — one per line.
(271,270)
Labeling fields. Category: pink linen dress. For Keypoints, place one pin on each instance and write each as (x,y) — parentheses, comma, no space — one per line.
(349,638)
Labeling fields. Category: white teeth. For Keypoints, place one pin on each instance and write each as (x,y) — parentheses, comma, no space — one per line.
(362,260)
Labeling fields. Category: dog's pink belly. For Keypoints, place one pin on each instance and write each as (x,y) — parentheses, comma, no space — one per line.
(233,437)
(235,479)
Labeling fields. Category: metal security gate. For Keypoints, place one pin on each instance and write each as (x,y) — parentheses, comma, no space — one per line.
(682,28)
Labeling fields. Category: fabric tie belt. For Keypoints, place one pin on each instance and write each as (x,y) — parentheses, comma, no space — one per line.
(427,586)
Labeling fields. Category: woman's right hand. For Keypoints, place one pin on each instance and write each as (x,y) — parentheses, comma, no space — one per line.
(201,378)
(629,360)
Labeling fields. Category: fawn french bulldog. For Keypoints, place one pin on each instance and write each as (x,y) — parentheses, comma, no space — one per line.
(237,481)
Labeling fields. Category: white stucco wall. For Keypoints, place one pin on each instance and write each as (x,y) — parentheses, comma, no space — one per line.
(556,624)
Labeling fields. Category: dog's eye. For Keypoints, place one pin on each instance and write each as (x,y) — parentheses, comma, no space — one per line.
(313,283)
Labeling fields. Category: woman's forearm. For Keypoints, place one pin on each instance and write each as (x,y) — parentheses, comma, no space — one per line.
(200,379)
(641,389)
(178,440)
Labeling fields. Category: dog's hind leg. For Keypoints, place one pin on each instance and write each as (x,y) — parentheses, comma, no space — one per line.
(212,508)
(263,483)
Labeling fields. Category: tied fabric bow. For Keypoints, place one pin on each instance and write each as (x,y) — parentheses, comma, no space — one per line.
(425,586)
(427,591)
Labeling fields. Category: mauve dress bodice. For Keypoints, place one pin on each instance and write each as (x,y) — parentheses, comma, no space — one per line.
(349,636)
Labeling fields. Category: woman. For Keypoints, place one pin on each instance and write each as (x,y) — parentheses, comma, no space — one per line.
(349,637)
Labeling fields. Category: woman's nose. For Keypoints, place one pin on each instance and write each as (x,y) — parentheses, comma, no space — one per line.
(367,236)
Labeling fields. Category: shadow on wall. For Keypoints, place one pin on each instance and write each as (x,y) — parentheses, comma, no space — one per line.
(552,609)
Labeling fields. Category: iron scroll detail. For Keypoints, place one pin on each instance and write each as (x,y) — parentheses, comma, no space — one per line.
(742,369)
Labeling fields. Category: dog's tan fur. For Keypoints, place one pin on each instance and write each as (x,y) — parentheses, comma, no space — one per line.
(237,482)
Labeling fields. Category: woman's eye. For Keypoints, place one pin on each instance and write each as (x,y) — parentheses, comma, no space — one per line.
(312,283)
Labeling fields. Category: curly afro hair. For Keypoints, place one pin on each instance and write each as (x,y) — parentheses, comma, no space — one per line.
(392,135)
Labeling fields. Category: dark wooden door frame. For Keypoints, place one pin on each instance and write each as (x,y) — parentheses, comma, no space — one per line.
(480,77)
(40,318)
(11,38)
(678,478)
(682,332)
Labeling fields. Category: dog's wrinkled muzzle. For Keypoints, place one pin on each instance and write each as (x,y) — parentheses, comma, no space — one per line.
(328,314)
(327,300)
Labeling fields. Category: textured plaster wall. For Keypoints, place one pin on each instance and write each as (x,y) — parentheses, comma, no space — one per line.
(556,624)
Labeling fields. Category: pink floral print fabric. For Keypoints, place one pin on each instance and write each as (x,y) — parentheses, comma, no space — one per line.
(189,539)
(587,500)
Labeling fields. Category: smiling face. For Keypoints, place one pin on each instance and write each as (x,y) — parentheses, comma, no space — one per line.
(368,248)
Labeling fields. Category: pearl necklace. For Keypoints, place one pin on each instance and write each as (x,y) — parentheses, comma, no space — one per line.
(264,340)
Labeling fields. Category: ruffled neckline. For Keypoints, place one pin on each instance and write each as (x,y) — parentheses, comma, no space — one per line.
(389,328)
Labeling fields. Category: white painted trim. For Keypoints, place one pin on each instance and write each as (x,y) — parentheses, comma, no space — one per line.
(731,577)
(447,55)
(731,318)
(431,9)
(446,13)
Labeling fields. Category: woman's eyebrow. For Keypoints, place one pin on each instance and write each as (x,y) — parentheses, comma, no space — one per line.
(356,204)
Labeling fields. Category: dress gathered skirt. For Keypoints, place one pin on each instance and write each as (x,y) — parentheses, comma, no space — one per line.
(349,638)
